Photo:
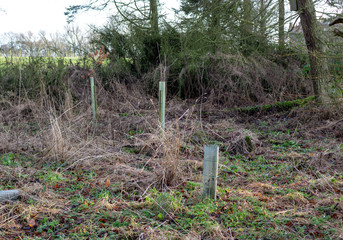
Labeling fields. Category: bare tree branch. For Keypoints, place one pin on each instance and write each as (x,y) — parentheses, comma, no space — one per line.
(337,21)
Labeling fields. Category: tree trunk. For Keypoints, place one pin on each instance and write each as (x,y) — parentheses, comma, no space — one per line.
(152,45)
(247,12)
(154,17)
(263,23)
(281,23)
(215,24)
(248,44)
(319,67)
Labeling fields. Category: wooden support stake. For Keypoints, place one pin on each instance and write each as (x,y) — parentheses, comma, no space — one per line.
(162,103)
(9,195)
(210,171)
(93,95)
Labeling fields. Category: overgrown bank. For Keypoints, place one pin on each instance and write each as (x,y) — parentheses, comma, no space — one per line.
(227,80)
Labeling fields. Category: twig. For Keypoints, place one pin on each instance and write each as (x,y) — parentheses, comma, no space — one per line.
(329,125)
(183,114)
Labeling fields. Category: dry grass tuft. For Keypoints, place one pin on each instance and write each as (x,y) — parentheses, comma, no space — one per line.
(242,142)
(325,182)
(326,160)
(164,148)
(68,104)
(57,143)
(264,188)
(171,141)
(295,197)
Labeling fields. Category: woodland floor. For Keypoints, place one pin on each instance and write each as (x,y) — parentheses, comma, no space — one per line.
(121,179)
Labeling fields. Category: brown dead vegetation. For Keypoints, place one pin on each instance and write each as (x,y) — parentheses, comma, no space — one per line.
(127,147)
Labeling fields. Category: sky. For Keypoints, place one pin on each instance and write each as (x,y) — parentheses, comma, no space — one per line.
(21,16)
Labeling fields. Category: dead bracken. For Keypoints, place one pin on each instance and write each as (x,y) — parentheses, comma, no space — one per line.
(124,176)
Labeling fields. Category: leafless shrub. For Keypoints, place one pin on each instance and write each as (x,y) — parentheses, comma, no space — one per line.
(164,147)
(171,141)
(238,81)
(18,122)
(241,141)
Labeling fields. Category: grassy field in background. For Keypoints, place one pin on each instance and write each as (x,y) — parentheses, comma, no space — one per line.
(25,60)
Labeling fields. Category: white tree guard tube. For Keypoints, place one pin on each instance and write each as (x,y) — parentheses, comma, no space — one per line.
(210,171)
(9,195)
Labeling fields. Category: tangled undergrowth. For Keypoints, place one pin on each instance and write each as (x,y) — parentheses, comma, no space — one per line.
(280,174)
